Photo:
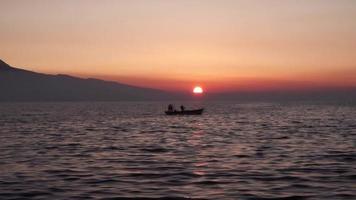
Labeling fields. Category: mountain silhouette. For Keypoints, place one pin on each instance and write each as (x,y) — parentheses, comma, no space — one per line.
(18,85)
(5,67)
(21,85)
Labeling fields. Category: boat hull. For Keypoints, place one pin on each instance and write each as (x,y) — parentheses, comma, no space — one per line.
(185,112)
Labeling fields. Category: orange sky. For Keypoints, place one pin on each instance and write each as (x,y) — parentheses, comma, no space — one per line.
(174,45)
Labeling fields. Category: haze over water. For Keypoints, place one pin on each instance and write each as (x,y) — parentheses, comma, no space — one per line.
(233,151)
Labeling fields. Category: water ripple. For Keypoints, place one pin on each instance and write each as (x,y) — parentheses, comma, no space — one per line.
(133,151)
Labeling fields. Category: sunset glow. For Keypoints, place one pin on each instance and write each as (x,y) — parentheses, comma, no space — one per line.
(161,99)
(198,90)
(169,45)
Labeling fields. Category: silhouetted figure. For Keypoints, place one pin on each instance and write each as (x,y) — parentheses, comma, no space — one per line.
(170,107)
(182,108)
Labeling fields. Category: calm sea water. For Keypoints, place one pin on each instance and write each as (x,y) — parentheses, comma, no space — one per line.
(132,150)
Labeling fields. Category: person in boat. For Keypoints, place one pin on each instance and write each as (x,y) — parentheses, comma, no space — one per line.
(170,107)
(182,108)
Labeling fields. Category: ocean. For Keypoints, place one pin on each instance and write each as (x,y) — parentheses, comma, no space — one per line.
(132,150)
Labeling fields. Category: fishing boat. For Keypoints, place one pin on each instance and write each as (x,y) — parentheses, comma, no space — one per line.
(185,112)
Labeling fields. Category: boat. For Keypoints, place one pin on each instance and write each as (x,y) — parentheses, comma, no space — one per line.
(185,112)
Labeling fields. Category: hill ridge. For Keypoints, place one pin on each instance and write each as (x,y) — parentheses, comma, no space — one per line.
(18,84)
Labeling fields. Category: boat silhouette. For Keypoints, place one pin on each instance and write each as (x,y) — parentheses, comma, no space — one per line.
(185,112)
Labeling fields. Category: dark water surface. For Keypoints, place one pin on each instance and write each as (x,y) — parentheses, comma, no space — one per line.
(132,150)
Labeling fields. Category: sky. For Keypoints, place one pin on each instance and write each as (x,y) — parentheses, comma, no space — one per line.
(222,45)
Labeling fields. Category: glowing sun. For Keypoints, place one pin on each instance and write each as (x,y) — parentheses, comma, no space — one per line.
(198,90)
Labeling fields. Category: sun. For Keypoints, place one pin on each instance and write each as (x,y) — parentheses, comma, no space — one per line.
(198,90)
